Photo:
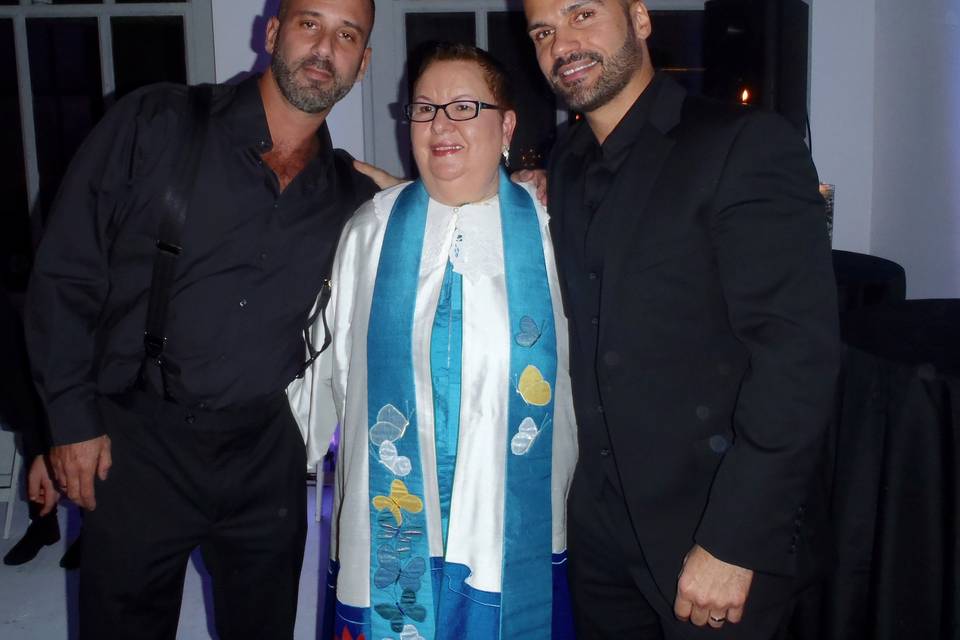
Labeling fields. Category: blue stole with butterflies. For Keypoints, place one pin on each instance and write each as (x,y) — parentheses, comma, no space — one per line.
(401,596)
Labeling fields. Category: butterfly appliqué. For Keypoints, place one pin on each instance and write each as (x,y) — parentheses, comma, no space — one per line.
(533,388)
(398,612)
(399,500)
(530,332)
(390,426)
(404,536)
(391,570)
(410,632)
(526,435)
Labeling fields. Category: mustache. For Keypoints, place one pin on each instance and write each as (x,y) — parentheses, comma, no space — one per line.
(576,56)
(319,63)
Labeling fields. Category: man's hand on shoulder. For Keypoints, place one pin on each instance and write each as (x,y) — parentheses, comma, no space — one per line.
(539,179)
(382,179)
(711,591)
(75,465)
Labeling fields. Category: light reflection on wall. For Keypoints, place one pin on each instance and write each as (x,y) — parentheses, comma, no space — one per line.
(953,124)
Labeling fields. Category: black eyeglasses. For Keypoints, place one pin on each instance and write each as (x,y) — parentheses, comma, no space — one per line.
(457,110)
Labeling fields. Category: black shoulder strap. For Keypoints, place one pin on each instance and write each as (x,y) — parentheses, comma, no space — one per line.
(176,200)
(348,193)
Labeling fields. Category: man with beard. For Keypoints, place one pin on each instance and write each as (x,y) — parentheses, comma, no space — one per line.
(695,266)
(182,437)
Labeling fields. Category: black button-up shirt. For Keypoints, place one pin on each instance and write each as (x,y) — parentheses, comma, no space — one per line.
(587,229)
(253,262)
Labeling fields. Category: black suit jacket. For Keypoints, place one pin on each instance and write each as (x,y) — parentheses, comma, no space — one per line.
(717,346)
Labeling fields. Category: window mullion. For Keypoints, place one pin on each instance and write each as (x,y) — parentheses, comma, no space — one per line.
(27,122)
(108,82)
(480,22)
(197,32)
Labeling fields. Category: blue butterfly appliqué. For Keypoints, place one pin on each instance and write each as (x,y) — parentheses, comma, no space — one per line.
(529,333)
(405,534)
(406,608)
(391,571)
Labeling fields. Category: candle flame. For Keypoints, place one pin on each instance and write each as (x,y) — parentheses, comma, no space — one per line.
(745,96)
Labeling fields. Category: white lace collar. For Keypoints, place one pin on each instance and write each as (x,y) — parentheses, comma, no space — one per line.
(467,235)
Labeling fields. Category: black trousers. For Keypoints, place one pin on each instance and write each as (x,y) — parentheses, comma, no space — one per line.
(615,595)
(230,483)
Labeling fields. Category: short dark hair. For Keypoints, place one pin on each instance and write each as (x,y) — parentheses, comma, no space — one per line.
(498,81)
(285,6)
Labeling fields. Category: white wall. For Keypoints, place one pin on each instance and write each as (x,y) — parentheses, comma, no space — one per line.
(885,104)
(916,208)
(238,33)
(841,112)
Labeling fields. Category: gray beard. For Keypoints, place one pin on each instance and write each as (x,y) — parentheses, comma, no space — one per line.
(614,76)
(305,96)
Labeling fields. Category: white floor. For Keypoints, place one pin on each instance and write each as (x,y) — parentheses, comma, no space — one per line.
(38,599)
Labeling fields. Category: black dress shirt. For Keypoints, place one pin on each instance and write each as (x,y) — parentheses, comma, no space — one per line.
(586,243)
(253,262)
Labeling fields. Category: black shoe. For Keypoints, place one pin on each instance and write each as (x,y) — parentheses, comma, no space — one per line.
(71,559)
(41,532)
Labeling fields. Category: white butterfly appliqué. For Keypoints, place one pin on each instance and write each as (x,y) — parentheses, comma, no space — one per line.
(390,427)
(525,436)
(409,632)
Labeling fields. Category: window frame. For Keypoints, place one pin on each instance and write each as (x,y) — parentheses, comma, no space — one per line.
(198,45)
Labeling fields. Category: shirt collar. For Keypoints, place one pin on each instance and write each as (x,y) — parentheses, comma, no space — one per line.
(626,131)
(247,120)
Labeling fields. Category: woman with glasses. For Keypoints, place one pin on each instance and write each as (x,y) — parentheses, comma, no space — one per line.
(450,380)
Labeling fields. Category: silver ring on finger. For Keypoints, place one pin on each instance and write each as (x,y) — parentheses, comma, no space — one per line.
(718,619)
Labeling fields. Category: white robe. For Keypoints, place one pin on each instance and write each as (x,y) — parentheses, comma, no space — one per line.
(335,390)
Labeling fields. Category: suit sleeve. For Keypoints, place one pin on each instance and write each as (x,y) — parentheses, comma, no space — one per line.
(19,405)
(70,279)
(773,254)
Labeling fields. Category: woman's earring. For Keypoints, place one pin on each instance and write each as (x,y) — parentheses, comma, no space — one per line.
(506,155)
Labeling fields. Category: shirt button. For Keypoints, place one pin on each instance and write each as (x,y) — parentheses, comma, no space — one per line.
(190,419)
(276,205)
(604,452)
(243,302)
(263,255)
(595,321)
(592,275)
(599,408)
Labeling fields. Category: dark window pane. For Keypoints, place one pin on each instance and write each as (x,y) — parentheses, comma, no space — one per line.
(74,2)
(676,46)
(162,37)
(426,28)
(535,102)
(15,244)
(67,93)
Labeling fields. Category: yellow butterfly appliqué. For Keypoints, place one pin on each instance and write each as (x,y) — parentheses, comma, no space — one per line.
(399,499)
(533,388)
